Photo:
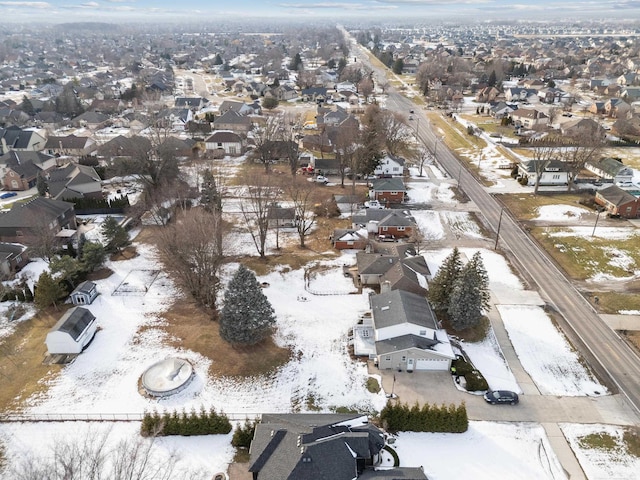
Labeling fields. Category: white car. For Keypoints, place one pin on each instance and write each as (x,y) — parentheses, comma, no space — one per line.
(321,179)
(373,204)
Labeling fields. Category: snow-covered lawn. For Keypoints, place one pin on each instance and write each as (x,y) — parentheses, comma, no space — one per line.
(545,353)
(560,213)
(602,463)
(486,451)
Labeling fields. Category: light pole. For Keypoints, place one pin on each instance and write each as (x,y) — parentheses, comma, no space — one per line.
(495,246)
(596,224)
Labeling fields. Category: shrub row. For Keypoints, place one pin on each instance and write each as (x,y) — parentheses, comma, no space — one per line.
(94,203)
(243,435)
(185,424)
(399,417)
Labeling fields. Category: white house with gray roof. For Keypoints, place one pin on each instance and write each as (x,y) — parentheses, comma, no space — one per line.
(402,333)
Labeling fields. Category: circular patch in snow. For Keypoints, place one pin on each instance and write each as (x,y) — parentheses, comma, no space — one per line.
(167,377)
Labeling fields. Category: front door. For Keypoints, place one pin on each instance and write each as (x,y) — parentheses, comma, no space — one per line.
(410,365)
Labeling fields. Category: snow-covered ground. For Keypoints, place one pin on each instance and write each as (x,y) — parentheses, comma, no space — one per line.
(488,450)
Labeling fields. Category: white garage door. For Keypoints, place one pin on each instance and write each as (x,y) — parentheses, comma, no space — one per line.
(431,364)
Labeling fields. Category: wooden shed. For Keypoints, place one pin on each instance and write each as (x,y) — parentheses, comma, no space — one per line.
(84,294)
(72,333)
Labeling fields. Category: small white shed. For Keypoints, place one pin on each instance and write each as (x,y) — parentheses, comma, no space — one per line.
(72,333)
(84,294)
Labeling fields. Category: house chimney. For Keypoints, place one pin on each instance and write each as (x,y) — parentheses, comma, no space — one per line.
(385,287)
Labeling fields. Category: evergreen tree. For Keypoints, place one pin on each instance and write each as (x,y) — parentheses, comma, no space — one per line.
(27,107)
(42,185)
(247,316)
(115,235)
(68,268)
(470,295)
(48,291)
(218,60)
(93,256)
(492,79)
(441,286)
(210,197)
(296,62)
(398,66)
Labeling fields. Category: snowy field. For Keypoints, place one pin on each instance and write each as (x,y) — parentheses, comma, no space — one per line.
(487,451)
(600,463)
(545,353)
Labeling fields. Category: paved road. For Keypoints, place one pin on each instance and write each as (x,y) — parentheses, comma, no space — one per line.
(601,346)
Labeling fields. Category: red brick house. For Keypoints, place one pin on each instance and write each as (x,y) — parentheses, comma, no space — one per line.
(350,238)
(617,201)
(387,190)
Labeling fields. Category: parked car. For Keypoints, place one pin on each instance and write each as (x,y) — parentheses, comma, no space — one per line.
(501,396)
(8,195)
(386,238)
(321,179)
(375,204)
(625,184)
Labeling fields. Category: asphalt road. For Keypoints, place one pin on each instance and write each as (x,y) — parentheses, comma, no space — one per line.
(606,352)
(614,361)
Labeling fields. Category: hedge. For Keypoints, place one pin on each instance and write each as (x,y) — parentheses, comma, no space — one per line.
(399,417)
(193,423)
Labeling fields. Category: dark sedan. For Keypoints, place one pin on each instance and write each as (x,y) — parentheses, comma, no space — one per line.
(501,396)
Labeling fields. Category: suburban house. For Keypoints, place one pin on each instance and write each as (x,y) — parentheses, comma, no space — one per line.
(84,294)
(72,333)
(74,181)
(320,446)
(13,257)
(390,165)
(555,172)
(70,145)
(618,202)
(529,118)
(14,138)
(581,127)
(501,110)
(395,222)
(616,108)
(610,169)
(20,176)
(28,221)
(225,142)
(192,103)
(402,333)
(409,273)
(350,238)
(91,120)
(233,121)
(387,190)
(281,217)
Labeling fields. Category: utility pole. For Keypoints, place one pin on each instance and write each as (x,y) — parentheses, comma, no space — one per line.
(596,224)
(495,246)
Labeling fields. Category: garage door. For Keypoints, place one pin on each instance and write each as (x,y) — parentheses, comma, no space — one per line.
(431,364)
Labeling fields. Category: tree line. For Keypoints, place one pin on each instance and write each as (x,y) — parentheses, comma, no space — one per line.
(399,417)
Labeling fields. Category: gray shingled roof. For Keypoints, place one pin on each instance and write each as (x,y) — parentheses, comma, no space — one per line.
(616,195)
(388,185)
(404,342)
(74,322)
(33,212)
(397,307)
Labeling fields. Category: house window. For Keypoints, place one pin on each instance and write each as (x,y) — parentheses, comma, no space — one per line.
(388,358)
(219,144)
(556,177)
(350,242)
(19,259)
(400,229)
(395,169)
(423,333)
(384,229)
(394,193)
(628,209)
(404,358)
(365,333)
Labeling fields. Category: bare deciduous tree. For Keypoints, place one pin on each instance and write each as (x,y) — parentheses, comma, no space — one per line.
(93,457)
(192,249)
(265,138)
(543,153)
(422,158)
(585,146)
(397,135)
(261,195)
(302,194)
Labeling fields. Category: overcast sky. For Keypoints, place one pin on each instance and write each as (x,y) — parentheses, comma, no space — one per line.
(171,10)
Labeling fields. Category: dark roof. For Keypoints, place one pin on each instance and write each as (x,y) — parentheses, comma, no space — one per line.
(616,195)
(68,142)
(8,250)
(404,342)
(84,287)
(232,117)
(281,213)
(74,322)
(377,215)
(16,158)
(394,474)
(388,185)
(223,136)
(34,212)
(26,170)
(312,446)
